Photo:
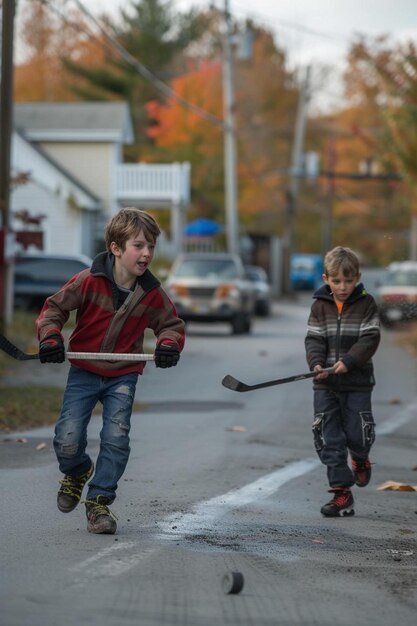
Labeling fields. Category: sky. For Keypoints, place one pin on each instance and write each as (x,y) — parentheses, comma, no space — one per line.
(313,32)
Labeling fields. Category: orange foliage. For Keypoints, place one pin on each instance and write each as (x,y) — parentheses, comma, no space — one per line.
(42,76)
(177,124)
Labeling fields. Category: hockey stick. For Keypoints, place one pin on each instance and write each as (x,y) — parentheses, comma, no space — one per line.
(236,385)
(15,352)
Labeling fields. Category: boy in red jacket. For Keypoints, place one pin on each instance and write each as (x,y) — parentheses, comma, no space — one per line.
(115,300)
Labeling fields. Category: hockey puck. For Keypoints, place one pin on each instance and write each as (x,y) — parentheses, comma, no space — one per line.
(232,582)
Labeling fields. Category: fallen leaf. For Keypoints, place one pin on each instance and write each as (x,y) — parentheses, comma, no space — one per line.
(395,401)
(237,429)
(41,446)
(391,485)
(21,440)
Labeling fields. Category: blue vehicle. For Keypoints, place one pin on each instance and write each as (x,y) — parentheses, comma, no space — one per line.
(306,271)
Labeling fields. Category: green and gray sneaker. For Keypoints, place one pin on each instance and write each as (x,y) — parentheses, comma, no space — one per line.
(100,519)
(70,491)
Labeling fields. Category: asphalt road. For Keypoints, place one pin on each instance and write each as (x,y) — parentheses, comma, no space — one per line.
(219,481)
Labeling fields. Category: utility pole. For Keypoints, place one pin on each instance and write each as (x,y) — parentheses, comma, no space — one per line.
(329,200)
(296,172)
(230,167)
(6,124)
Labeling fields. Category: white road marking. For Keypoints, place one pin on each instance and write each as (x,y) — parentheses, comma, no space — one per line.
(203,514)
(110,562)
(399,419)
(103,554)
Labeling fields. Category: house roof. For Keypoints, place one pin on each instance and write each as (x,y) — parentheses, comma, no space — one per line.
(27,157)
(74,121)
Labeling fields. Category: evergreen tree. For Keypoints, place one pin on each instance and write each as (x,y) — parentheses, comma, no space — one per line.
(155,35)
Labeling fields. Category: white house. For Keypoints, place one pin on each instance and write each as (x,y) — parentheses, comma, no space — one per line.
(73,153)
(52,210)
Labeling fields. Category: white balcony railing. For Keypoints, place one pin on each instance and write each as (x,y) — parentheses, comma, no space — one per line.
(162,185)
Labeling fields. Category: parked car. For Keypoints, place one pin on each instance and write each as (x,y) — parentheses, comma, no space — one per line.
(263,293)
(306,271)
(37,276)
(397,294)
(212,287)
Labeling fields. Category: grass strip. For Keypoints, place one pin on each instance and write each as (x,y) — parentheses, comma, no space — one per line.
(33,406)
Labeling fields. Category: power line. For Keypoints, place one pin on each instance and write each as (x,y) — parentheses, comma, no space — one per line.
(148,75)
(295,26)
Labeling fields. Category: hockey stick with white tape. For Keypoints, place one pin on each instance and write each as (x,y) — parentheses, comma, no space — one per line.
(230,382)
(16,353)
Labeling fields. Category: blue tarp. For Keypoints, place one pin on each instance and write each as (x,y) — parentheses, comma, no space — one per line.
(202,227)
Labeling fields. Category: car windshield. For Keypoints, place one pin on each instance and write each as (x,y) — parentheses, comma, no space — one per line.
(48,269)
(256,274)
(400,279)
(302,265)
(206,268)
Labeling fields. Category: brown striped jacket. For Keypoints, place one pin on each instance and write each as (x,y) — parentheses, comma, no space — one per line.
(352,337)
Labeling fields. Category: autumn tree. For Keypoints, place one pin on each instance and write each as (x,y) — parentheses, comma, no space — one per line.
(363,155)
(385,78)
(381,83)
(266,95)
(47,38)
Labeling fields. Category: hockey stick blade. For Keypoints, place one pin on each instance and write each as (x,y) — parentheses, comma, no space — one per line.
(14,351)
(230,382)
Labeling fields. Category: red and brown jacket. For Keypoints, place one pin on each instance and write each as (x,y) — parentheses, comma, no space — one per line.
(102,325)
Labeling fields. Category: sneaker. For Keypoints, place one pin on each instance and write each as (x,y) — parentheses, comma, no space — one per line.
(362,471)
(70,491)
(340,505)
(100,519)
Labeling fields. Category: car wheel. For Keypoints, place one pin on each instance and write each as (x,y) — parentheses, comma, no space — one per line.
(264,309)
(241,324)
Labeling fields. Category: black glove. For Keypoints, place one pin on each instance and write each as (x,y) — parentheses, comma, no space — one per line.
(166,355)
(52,349)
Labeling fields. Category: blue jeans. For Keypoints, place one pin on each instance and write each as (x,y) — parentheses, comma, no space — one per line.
(81,395)
(343,424)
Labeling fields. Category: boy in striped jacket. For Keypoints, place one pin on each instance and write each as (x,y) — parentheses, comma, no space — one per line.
(115,301)
(343,333)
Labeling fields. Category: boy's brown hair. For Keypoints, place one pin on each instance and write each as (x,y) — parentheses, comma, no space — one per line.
(341,260)
(129,222)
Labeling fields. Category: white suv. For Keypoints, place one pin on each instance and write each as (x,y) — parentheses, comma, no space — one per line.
(212,287)
(397,295)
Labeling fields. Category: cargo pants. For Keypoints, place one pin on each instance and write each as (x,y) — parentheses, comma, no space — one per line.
(343,424)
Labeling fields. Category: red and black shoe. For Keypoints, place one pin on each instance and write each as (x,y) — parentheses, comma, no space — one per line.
(362,471)
(340,505)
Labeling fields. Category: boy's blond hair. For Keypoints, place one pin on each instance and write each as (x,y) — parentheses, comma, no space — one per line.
(127,223)
(341,260)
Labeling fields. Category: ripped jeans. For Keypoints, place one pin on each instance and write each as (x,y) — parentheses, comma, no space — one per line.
(83,391)
(343,424)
